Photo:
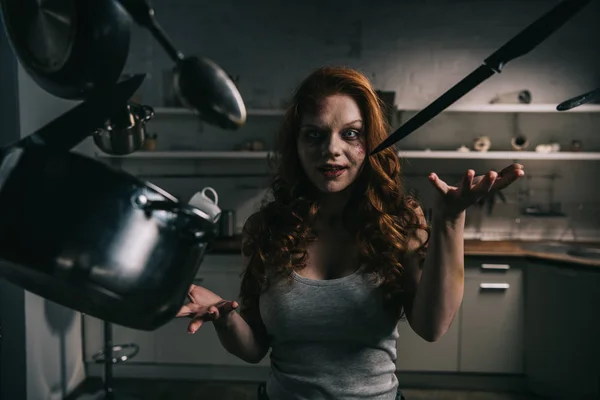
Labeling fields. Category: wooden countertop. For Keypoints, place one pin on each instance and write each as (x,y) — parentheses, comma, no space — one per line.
(500,248)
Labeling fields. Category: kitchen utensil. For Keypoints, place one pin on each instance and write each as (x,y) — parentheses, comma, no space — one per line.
(200,83)
(576,145)
(126,132)
(150,142)
(520,97)
(209,206)
(579,100)
(482,144)
(69,48)
(66,131)
(227,224)
(95,239)
(520,45)
(519,143)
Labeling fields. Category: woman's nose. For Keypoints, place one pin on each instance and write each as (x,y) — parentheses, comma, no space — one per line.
(332,145)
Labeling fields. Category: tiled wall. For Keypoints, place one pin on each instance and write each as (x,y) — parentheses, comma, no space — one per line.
(417,49)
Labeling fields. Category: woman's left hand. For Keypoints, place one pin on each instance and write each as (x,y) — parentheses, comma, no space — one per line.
(454,200)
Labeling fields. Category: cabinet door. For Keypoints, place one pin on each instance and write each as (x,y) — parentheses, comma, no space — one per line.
(562,331)
(492,321)
(416,354)
(175,346)
(93,330)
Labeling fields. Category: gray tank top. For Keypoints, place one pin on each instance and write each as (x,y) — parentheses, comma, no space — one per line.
(330,339)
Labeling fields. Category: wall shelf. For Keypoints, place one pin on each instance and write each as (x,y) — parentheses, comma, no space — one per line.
(182,155)
(500,155)
(474,108)
(512,108)
(454,155)
(250,112)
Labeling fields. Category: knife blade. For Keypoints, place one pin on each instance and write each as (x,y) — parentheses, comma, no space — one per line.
(521,44)
(66,131)
(579,100)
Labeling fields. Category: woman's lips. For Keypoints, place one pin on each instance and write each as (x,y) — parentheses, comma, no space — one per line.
(332,173)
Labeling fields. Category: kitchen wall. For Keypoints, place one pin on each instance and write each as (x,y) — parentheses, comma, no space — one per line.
(417,49)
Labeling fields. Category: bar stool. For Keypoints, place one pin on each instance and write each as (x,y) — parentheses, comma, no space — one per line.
(109,356)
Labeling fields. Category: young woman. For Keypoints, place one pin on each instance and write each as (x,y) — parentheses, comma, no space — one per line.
(341,252)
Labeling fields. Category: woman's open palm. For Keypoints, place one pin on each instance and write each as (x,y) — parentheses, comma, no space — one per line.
(455,199)
(204,306)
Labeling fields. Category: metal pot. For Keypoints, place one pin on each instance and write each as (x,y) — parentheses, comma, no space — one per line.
(96,239)
(70,48)
(125,133)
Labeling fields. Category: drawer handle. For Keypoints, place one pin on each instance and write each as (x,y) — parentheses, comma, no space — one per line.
(494,286)
(495,266)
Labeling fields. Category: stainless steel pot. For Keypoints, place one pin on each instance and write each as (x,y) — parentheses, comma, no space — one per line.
(125,133)
(95,239)
(92,238)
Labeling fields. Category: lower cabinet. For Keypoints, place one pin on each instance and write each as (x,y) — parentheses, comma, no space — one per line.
(487,333)
(563,331)
(492,319)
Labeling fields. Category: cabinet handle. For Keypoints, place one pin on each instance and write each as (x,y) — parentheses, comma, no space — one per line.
(494,286)
(495,266)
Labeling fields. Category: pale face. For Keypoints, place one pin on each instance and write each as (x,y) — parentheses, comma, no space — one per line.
(331,144)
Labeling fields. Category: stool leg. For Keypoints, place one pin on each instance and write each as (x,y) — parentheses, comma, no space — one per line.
(108,364)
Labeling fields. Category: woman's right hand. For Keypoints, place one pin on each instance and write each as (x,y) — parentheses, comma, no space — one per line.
(204,306)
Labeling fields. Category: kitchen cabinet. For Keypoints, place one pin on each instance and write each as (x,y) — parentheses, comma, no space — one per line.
(487,333)
(175,346)
(492,318)
(416,354)
(563,331)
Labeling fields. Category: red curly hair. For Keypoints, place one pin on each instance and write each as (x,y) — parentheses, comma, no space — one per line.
(380,215)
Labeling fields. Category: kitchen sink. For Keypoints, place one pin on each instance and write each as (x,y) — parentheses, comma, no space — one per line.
(585,252)
(549,247)
(573,250)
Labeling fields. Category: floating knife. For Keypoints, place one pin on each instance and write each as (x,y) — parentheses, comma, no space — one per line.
(521,44)
(579,100)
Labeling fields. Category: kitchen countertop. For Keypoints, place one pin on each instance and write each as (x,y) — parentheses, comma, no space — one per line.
(498,248)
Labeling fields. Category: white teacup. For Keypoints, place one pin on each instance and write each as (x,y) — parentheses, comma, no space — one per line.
(210,206)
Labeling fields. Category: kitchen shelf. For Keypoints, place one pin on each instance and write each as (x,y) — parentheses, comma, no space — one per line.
(419,154)
(483,108)
(240,155)
(250,111)
(500,155)
(513,108)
